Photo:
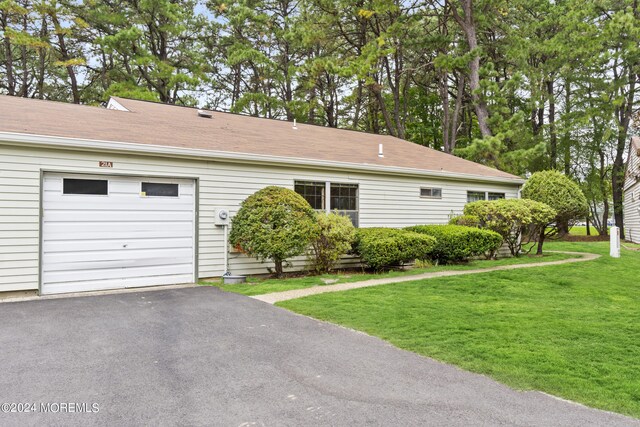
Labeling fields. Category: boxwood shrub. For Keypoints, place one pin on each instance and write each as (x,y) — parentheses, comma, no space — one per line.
(468,220)
(385,247)
(458,242)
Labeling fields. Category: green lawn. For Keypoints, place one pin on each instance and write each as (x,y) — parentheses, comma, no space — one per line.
(255,286)
(571,330)
(581,230)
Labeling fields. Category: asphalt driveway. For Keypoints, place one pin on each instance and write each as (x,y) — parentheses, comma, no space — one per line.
(198,356)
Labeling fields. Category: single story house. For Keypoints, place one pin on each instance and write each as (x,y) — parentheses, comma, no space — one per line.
(631,202)
(129,195)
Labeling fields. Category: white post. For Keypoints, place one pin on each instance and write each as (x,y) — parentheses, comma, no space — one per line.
(226,250)
(615,242)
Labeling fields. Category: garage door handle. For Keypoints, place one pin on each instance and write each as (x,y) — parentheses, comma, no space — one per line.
(125,245)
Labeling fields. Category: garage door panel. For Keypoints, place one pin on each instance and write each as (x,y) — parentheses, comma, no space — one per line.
(99,285)
(94,242)
(116,226)
(123,274)
(122,267)
(61,246)
(57,261)
(116,216)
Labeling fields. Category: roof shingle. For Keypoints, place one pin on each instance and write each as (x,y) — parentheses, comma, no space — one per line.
(173,126)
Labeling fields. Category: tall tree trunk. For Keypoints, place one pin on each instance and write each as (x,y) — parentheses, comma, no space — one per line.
(443,85)
(553,138)
(64,54)
(24,88)
(11,81)
(566,138)
(376,88)
(468,25)
(623,113)
(42,57)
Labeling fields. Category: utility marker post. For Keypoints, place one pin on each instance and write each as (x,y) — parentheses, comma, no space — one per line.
(614,233)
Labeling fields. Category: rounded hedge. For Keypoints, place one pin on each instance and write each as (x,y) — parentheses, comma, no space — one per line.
(458,242)
(273,223)
(559,192)
(513,219)
(334,239)
(466,220)
(385,247)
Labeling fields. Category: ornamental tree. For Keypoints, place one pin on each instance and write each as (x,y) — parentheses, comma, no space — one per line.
(275,224)
(562,194)
(516,220)
(334,238)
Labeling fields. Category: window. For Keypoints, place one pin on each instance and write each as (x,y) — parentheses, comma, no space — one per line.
(431,193)
(342,197)
(474,196)
(98,187)
(156,189)
(312,192)
(496,196)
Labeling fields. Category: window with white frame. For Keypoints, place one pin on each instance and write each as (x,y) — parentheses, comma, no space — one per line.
(475,196)
(312,192)
(431,193)
(342,198)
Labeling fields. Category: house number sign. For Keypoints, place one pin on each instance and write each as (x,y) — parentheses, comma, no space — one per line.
(104,164)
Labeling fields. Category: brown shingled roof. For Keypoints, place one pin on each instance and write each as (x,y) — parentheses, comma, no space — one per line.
(173,126)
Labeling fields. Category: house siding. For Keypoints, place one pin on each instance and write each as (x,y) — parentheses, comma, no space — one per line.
(632,198)
(384,201)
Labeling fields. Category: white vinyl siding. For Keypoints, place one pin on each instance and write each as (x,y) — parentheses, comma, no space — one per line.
(383,201)
(632,198)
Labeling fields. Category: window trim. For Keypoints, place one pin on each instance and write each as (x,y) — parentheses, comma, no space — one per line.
(432,196)
(356,211)
(486,195)
(144,194)
(318,184)
(85,194)
(327,196)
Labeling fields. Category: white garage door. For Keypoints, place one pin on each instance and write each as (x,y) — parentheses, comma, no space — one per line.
(113,232)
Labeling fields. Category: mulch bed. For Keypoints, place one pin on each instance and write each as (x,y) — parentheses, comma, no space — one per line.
(570,238)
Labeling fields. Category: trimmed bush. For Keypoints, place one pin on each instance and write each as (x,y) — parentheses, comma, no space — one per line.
(274,223)
(335,236)
(458,242)
(385,247)
(562,194)
(513,219)
(466,220)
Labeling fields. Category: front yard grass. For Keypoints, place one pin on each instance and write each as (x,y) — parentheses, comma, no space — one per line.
(571,330)
(257,286)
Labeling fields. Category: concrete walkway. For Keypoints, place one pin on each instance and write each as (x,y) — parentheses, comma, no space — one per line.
(300,293)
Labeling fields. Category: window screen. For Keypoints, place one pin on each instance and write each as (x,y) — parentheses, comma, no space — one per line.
(474,196)
(85,186)
(312,192)
(344,199)
(496,196)
(156,189)
(433,193)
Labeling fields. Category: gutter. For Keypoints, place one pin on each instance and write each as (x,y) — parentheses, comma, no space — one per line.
(12,138)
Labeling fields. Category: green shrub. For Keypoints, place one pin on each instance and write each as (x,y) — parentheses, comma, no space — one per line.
(513,219)
(385,247)
(335,236)
(562,194)
(458,242)
(466,220)
(274,223)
